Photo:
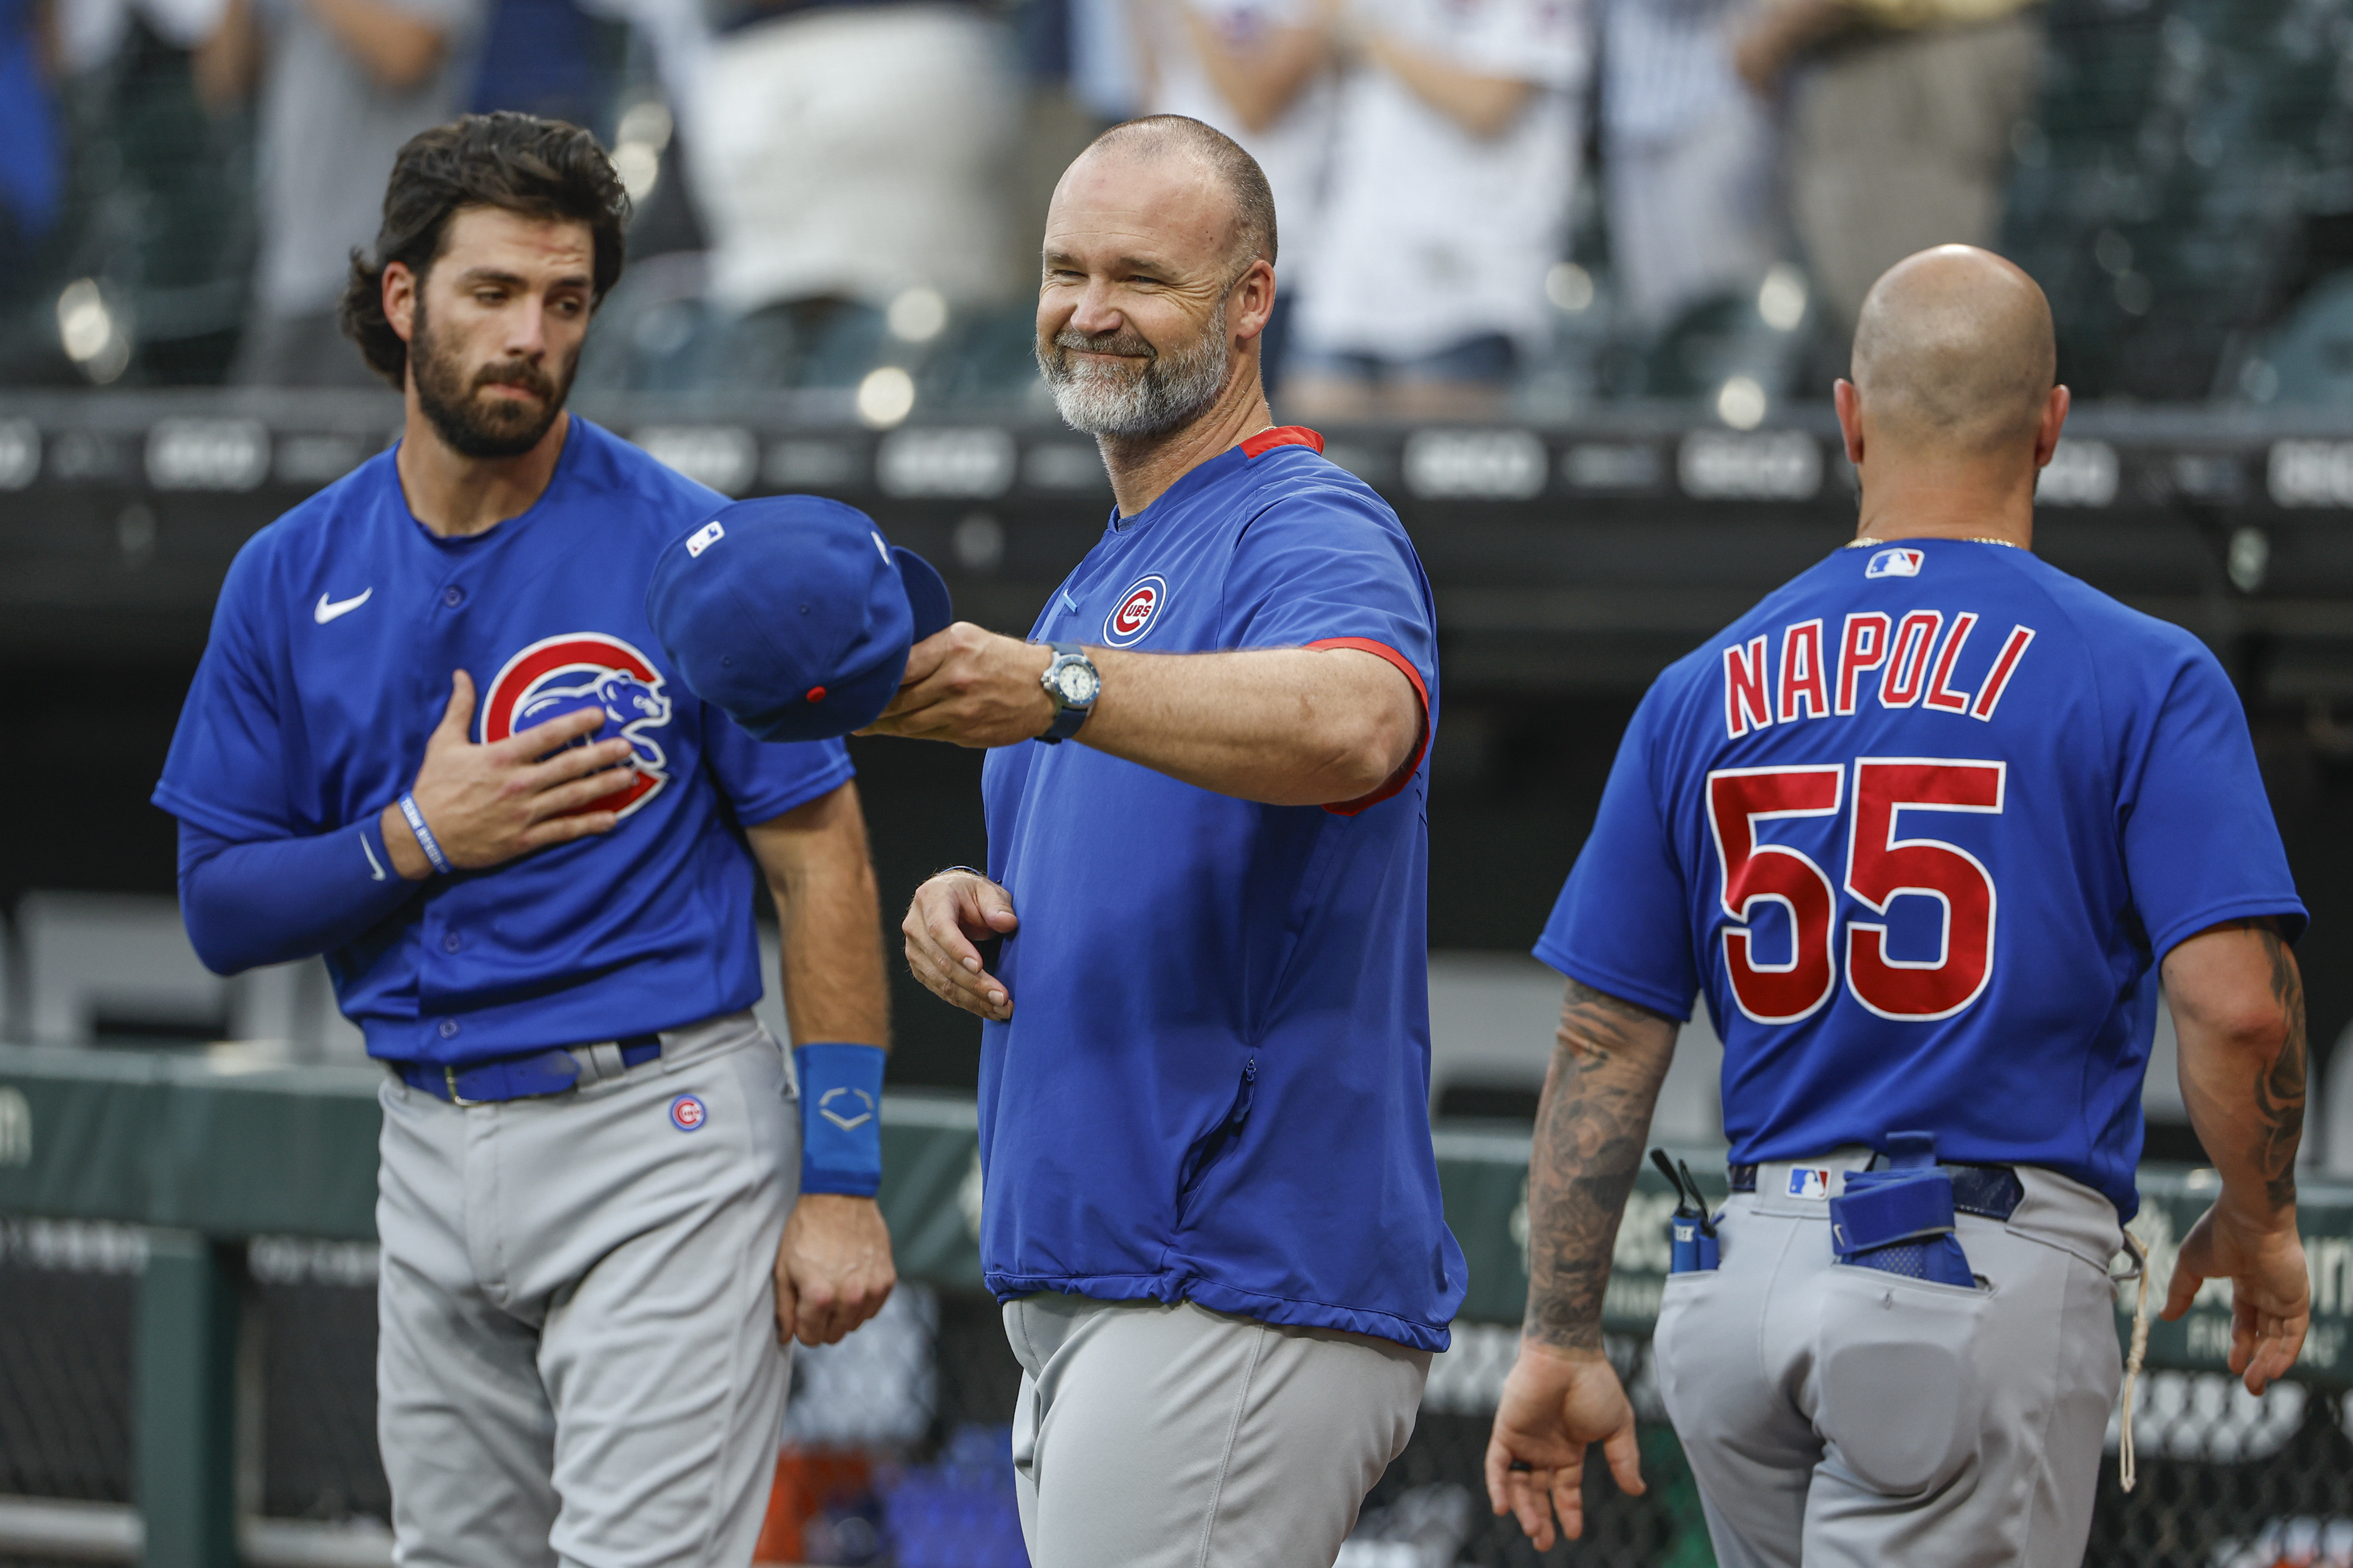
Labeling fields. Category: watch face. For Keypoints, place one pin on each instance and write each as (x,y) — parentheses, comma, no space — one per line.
(1077,684)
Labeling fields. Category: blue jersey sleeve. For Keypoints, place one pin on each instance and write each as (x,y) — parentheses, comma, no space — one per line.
(1325,565)
(2199,844)
(225,772)
(1622,924)
(765,779)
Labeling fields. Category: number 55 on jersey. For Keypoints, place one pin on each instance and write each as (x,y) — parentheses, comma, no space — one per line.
(1889,807)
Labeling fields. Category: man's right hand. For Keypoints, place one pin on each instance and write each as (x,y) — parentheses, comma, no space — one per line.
(486,805)
(951,913)
(2270,1291)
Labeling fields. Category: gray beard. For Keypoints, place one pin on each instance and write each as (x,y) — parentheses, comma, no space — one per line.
(1165,395)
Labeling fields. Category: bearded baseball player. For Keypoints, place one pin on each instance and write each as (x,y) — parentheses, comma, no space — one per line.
(1211,1206)
(434,737)
(1931,827)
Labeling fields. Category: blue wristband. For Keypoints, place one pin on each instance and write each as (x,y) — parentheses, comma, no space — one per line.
(841,1118)
(425,839)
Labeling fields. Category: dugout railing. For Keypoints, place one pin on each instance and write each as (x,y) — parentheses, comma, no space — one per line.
(186,1327)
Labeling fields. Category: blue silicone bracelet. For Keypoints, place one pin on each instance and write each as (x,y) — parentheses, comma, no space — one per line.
(841,1118)
(425,839)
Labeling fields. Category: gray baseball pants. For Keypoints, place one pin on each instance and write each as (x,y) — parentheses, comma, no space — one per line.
(577,1359)
(1838,1416)
(1172,1437)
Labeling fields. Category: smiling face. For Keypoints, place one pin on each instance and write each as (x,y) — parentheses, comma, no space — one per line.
(1144,308)
(495,327)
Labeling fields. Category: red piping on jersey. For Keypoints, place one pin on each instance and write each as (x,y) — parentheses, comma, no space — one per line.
(1404,775)
(1266,441)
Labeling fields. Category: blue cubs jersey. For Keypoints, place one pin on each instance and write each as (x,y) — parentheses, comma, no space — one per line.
(328,667)
(1922,825)
(1215,1086)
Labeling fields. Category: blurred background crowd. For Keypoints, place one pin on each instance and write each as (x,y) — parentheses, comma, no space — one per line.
(1488,207)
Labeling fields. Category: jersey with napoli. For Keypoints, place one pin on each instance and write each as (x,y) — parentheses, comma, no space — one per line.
(329,669)
(1215,1085)
(1922,825)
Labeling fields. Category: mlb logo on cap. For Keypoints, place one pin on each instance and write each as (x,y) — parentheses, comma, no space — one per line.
(1895,564)
(1810,1184)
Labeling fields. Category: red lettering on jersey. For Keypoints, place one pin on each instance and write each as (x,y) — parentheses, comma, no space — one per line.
(1748,688)
(1908,660)
(2005,665)
(1940,694)
(1863,646)
(1802,672)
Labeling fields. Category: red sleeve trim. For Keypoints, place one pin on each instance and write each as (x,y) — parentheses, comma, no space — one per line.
(1404,774)
(1266,441)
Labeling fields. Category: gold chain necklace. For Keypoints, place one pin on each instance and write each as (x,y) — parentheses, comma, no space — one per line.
(2005,544)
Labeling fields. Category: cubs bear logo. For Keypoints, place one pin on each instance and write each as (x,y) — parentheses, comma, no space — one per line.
(560,675)
(1137,610)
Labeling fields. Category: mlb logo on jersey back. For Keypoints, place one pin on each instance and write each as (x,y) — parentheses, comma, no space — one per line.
(1895,564)
(703,538)
(1815,1184)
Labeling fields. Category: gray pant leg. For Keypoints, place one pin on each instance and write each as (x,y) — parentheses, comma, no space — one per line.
(1908,1422)
(463,1422)
(584,1368)
(1751,1449)
(1152,1437)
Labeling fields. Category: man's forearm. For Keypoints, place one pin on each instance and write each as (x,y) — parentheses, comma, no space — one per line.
(398,49)
(2242,1060)
(1287,726)
(1258,80)
(1607,1062)
(1483,105)
(830,921)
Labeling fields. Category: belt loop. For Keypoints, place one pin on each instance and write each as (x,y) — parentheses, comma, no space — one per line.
(601,1060)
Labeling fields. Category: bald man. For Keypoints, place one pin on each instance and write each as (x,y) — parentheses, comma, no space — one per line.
(1930,826)
(1211,1206)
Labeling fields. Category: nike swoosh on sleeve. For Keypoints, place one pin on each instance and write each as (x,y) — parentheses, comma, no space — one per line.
(373,864)
(330,608)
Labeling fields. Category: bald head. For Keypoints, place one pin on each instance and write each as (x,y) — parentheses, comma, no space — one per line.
(1238,183)
(1954,354)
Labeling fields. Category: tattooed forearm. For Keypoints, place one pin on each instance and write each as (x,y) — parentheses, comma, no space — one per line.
(2238,1011)
(1608,1060)
(2279,1087)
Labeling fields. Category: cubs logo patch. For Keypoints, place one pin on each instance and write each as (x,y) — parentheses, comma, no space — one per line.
(1813,1184)
(1137,610)
(1895,564)
(687,1113)
(560,675)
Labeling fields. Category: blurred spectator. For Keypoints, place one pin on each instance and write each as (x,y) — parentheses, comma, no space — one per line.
(1454,158)
(1688,158)
(31,180)
(1259,70)
(541,56)
(1899,126)
(342,85)
(855,151)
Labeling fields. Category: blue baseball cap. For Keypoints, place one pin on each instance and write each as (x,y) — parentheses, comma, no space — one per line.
(793,614)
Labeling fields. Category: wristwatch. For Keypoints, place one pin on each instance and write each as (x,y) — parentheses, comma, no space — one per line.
(1072,684)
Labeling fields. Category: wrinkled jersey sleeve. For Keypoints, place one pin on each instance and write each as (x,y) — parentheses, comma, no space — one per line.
(765,779)
(2200,845)
(1323,565)
(1622,924)
(225,769)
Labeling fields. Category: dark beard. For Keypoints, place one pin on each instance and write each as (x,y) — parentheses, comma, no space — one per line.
(468,425)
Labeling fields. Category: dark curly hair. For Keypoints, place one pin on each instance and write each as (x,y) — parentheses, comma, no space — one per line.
(540,168)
